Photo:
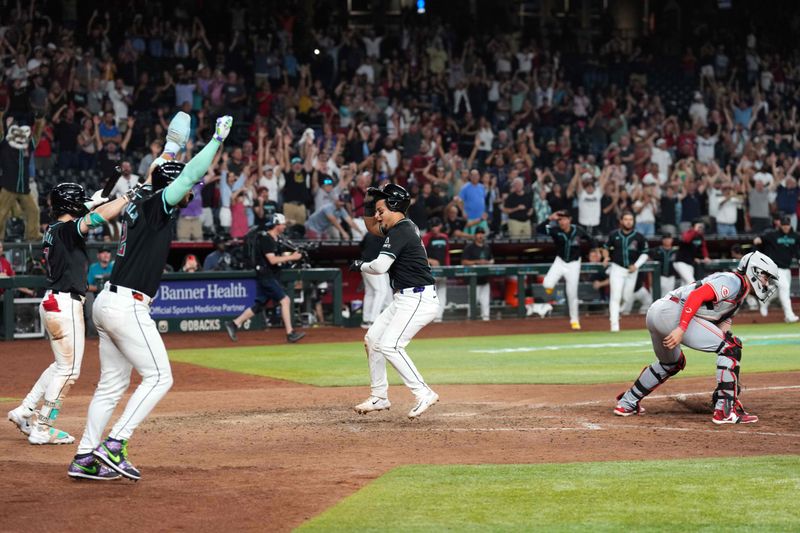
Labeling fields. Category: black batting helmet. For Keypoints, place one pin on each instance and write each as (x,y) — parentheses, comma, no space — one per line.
(397,198)
(165,173)
(68,199)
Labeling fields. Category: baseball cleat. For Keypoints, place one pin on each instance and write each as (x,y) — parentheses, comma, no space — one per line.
(44,434)
(792,319)
(614,328)
(621,410)
(423,405)
(114,453)
(87,466)
(575,325)
(295,336)
(720,418)
(22,420)
(373,403)
(231,328)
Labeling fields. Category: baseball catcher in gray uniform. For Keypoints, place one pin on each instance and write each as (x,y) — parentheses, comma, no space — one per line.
(699,316)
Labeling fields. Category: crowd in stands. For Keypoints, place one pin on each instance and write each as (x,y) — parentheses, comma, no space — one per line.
(488,131)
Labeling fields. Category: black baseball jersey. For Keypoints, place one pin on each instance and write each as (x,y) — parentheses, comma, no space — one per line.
(781,247)
(625,248)
(65,258)
(666,256)
(568,243)
(144,244)
(410,267)
(437,246)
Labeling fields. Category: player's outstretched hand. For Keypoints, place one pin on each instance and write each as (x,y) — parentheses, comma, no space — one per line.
(97,200)
(223,128)
(355,266)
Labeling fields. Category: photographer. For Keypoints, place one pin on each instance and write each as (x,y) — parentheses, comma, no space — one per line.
(268,267)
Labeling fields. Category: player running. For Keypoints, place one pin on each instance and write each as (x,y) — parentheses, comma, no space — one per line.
(567,238)
(415,303)
(699,315)
(129,337)
(61,309)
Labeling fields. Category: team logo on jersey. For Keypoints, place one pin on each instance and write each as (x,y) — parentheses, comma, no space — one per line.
(725,291)
(386,243)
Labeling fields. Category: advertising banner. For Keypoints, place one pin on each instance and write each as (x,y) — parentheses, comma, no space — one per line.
(202,298)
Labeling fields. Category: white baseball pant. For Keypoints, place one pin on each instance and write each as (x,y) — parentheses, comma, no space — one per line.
(621,282)
(784,294)
(667,284)
(377,295)
(483,294)
(387,338)
(129,339)
(642,296)
(62,317)
(685,271)
(441,293)
(571,272)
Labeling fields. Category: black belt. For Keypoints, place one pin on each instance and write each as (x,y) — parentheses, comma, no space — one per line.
(74,295)
(136,294)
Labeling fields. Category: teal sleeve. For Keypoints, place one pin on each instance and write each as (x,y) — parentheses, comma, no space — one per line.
(192,173)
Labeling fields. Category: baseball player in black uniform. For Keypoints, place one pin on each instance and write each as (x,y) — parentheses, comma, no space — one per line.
(782,245)
(665,255)
(415,303)
(129,337)
(627,249)
(61,309)
(567,238)
(268,270)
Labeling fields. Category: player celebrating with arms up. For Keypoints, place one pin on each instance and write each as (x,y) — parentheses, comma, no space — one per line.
(699,316)
(61,309)
(129,337)
(415,303)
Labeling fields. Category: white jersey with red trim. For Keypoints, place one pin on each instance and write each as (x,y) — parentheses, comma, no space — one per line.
(730,289)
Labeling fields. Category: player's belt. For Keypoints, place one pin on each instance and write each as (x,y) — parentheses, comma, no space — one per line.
(412,290)
(136,295)
(74,295)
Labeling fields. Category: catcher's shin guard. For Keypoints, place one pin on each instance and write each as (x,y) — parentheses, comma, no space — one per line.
(650,378)
(729,356)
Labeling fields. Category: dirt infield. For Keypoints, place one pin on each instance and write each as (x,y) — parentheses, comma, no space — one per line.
(229,451)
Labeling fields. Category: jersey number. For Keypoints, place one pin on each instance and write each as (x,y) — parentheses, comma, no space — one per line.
(122,238)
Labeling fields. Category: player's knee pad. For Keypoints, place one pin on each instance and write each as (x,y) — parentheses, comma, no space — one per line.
(731,346)
(677,366)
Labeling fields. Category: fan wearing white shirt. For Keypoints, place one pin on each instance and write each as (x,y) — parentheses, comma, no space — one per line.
(127,180)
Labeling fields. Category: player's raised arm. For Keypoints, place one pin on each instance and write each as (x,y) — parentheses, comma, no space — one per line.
(198,166)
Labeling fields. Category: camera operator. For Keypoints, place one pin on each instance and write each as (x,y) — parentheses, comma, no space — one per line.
(268,267)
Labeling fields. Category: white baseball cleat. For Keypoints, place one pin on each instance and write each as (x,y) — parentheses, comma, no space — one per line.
(792,319)
(44,434)
(373,403)
(423,404)
(21,417)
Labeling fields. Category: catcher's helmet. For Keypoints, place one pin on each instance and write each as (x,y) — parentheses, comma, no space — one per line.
(165,173)
(761,272)
(397,198)
(68,199)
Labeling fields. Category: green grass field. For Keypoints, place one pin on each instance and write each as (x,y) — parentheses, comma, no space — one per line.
(730,495)
(579,358)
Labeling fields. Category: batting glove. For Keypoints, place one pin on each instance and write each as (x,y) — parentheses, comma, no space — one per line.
(97,200)
(178,132)
(355,266)
(223,128)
